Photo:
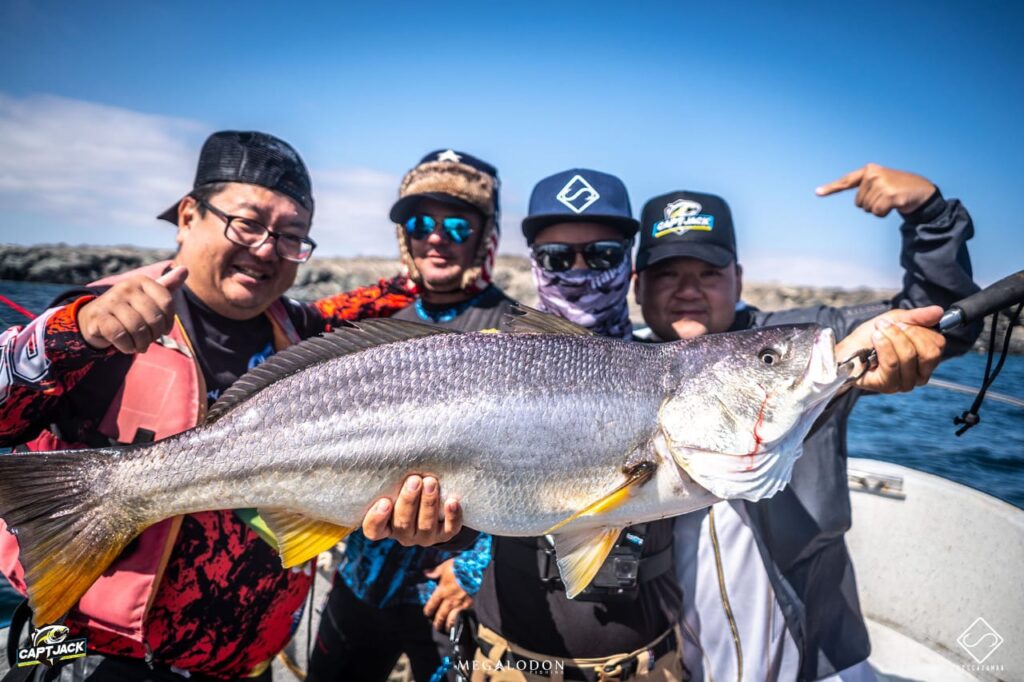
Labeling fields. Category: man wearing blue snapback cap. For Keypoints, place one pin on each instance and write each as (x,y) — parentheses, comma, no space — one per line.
(580,229)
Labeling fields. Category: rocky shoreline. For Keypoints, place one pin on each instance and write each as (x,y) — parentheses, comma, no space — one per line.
(61,263)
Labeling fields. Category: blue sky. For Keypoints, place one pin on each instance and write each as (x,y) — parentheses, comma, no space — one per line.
(103,107)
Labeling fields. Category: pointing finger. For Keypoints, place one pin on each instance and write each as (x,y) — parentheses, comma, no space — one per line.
(848,181)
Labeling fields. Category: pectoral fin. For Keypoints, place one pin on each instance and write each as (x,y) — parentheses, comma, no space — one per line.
(580,555)
(639,475)
(300,538)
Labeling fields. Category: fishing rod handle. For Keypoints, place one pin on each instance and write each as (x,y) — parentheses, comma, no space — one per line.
(1002,294)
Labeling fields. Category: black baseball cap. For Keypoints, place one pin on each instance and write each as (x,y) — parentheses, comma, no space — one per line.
(579,195)
(451,177)
(252,158)
(686,225)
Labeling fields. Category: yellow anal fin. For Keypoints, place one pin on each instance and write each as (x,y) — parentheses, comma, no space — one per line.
(580,555)
(300,538)
(637,476)
(57,583)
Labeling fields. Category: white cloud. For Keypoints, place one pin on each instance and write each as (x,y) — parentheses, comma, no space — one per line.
(352,212)
(83,172)
(67,162)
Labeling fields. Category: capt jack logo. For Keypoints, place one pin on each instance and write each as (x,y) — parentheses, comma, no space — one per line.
(681,216)
(50,644)
(578,194)
(980,640)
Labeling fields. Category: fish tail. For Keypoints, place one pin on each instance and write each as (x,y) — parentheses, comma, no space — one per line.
(68,532)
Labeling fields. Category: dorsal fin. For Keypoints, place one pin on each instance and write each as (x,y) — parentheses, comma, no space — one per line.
(523,319)
(352,338)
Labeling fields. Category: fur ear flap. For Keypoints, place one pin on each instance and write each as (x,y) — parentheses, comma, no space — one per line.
(473,186)
(411,271)
(479,276)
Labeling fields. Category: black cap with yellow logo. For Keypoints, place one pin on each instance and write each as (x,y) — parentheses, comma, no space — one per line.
(686,225)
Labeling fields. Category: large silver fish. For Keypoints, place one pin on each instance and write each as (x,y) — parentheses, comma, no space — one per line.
(555,431)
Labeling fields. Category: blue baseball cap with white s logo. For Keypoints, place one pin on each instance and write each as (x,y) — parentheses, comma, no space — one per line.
(579,195)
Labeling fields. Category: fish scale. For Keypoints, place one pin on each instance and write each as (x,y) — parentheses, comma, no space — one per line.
(397,429)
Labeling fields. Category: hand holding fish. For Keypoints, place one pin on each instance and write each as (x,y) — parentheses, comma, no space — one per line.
(880,189)
(416,518)
(448,598)
(131,314)
(908,351)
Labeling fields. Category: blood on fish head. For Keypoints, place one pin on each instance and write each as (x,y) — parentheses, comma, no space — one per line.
(743,402)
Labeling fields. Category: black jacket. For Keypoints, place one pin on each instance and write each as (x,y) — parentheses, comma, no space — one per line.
(800,530)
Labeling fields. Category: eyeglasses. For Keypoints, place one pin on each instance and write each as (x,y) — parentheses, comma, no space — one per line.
(254,234)
(458,230)
(599,255)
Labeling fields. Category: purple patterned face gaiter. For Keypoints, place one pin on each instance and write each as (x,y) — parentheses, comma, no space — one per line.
(595,299)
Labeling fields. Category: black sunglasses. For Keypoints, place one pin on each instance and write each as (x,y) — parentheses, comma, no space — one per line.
(604,254)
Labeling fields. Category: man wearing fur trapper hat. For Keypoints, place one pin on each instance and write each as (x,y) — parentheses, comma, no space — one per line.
(385,595)
(447,223)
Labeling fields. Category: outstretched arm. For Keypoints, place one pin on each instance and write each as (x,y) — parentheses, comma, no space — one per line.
(936,264)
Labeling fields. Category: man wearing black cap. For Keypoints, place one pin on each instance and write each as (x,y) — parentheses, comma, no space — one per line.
(139,357)
(386,593)
(745,567)
(580,229)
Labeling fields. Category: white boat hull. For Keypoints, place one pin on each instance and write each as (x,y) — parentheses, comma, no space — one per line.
(930,562)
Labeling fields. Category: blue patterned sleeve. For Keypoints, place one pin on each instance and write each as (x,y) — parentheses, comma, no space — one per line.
(469,565)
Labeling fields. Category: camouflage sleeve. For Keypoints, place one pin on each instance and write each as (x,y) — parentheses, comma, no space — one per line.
(38,364)
(383,299)
(469,565)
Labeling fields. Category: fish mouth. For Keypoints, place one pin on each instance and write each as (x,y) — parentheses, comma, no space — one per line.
(824,374)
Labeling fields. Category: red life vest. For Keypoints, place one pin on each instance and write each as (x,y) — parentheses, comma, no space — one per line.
(163,393)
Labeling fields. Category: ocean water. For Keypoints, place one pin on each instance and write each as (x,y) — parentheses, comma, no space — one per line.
(913,429)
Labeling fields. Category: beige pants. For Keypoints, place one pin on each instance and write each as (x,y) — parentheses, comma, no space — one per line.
(491,668)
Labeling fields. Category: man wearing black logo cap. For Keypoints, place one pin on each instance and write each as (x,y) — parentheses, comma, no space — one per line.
(623,626)
(389,598)
(139,357)
(746,566)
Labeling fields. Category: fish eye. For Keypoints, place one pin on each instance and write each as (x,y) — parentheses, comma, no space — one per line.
(769,356)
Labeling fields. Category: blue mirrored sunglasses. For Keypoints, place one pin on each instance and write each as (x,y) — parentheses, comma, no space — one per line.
(458,230)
